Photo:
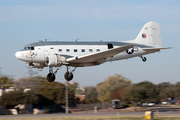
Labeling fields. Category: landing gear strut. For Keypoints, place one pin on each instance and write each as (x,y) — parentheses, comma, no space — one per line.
(69,74)
(51,76)
(143,58)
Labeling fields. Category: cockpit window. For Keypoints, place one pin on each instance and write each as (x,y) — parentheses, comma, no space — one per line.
(32,48)
(26,48)
(29,48)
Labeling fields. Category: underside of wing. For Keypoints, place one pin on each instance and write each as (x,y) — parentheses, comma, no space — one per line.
(98,57)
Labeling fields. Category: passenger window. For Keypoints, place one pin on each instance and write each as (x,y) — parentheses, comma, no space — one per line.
(82,50)
(75,50)
(97,50)
(67,50)
(90,50)
(52,48)
(60,50)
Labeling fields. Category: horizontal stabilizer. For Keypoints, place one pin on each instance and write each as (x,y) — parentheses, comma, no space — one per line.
(154,49)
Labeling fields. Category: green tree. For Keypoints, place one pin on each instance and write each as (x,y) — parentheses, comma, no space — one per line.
(177,90)
(18,96)
(141,92)
(32,83)
(149,91)
(72,88)
(133,94)
(54,93)
(166,90)
(107,88)
(119,94)
(6,82)
(91,94)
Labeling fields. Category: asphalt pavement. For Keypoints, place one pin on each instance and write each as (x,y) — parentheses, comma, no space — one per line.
(157,110)
(89,114)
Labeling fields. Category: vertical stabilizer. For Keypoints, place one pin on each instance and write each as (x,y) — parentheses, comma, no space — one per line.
(149,35)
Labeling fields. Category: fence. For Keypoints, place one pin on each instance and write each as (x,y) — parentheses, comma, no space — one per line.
(85,107)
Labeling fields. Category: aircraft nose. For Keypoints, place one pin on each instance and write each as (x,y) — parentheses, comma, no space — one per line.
(17,54)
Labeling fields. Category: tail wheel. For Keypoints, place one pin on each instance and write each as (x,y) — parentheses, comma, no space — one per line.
(68,76)
(144,59)
(51,77)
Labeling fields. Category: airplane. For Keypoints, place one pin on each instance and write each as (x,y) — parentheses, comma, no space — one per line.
(81,54)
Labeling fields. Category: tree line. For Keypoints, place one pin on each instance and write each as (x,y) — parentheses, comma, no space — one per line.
(114,87)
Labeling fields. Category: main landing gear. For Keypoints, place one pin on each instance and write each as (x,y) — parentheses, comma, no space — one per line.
(69,74)
(143,58)
(51,76)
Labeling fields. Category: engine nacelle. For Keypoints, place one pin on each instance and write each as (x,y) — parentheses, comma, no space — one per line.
(36,65)
(51,61)
(55,60)
(30,64)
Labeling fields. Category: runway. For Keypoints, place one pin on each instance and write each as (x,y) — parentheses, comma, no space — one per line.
(172,113)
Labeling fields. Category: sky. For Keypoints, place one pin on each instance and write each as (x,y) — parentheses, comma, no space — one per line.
(27,21)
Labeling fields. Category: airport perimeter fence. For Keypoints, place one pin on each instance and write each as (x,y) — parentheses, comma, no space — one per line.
(85,107)
(76,108)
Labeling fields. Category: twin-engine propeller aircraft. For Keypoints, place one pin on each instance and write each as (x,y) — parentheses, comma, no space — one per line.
(82,54)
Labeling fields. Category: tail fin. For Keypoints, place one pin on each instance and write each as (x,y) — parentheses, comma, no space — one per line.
(149,35)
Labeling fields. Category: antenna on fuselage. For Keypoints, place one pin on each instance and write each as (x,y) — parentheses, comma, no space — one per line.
(77,40)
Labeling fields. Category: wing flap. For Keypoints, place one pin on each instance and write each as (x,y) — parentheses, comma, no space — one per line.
(89,58)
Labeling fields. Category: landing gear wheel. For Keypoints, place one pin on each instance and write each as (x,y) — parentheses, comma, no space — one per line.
(144,59)
(68,76)
(51,77)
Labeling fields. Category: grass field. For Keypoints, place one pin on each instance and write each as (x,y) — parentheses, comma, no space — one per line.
(98,118)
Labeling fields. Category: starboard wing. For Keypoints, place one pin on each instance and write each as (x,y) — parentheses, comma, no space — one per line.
(97,56)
